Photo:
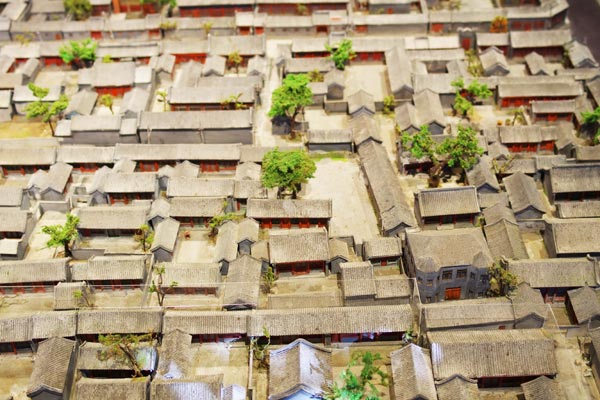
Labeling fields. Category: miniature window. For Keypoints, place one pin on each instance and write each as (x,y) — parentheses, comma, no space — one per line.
(483,278)
(446,276)
(428,299)
(429,282)
(461,274)
(472,276)
(420,280)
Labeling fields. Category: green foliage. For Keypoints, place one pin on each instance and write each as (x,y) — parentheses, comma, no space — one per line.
(77,52)
(591,117)
(363,385)
(107,101)
(207,26)
(233,103)
(389,103)
(475,90)
(502,281)
(234,60)
(62,235)
(291,97)
(474,66)
(24,38)
(462,106)
(463,150)
(124,347)
(341,53)
(158,285)
(162,98)
(315,76)
(301,9)
(332,155)
(420,144)
(144,236)
(78,9)
(82,297)
(107,59)
(260,351)
(287,170)
(220,219)
(168,25)
(57,107)
(268,279)
(38,91)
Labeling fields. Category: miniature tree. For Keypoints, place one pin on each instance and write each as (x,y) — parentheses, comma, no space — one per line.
(260,351)
(462,106)
(107,101)
(341,54)
(315,76)
(62,235)
(499,24)
(158,286)
(162,98)
(462,151)
(289,99)
(268,279)
(207,26)
(43,109)
(389,103)
(301,9)
(78,9)
(287,171)
(107,59)
(124,347)
(476,91)
(82,297)
(502,281)
(234,60)
(233,103)
(218,220)
(144,236)
(519,116)
(79,53)
(24,38)
(474,66)
(590,119)
(363,385)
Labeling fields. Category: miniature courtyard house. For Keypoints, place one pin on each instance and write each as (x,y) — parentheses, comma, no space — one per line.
(185,186)
(528,305)
(174,361)
(226,249)
(383,251)
(86,158)
(330,140)
(572,237)
(333,324)
(32,276)
(81,103)
(26,160)
(50,185)
(287,213)
(573,182)
(493,62)
(543,387)
(196,211)
(111,221)
(193,278)
(448,265)
(72,295)
(247,235)
(394,214)
(555,276)
(530,138)
(551,111)
(299,251)
(123,388)
(523,93)
(548,43)
(89,365)
(52,368)
(412,375)
(16,334)
(165,239)
(16,226)
(242,288)
(127,187)
(580,55)
(493,313)
(483,177)
(299,370)
(524,197)
(536,64)
(457,206)
(208,326)
(339,253)
(399,73)
(199,386)
(13,197)
(471,349)
(112,272)
(91,323)
(113,78)
(583,307)
(502,233)
(427,111)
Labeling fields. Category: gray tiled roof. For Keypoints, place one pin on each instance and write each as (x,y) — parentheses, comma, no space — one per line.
(448,201)
(297,245)
(412,374)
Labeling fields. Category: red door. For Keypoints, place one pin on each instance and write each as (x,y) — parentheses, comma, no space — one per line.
(452,294)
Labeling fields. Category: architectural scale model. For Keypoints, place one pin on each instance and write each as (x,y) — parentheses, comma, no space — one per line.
(299,199)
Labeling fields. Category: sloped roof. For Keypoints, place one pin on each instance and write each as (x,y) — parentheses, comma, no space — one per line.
(174,355)
(165,235)
(357,279)
(504,240)
(468,314)
(298,245)
(570,178)
(51,366)
(585,303)
(109,217)
(125,388)
(412,374)
(522,193)
(555,272)
(300,365)
(575,236)
(243,283)
(433,250)
(119,321)
(457,387)
(482,174)
(199,387)
(448,201)
(276,208)
(477,354)
(543,388)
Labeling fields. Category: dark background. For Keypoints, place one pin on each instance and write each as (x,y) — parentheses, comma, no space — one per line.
(585,23)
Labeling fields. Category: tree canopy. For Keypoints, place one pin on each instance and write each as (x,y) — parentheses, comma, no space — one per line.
(502,281)
(62,235)
(591,118)
(499,24)
(287,170)
(291,97)
(467,95)
(78,53)
(107,101)
(78,9)
(125,347)
(43,109)
(341,53)
(463,150)
(234,60)
(363,385)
